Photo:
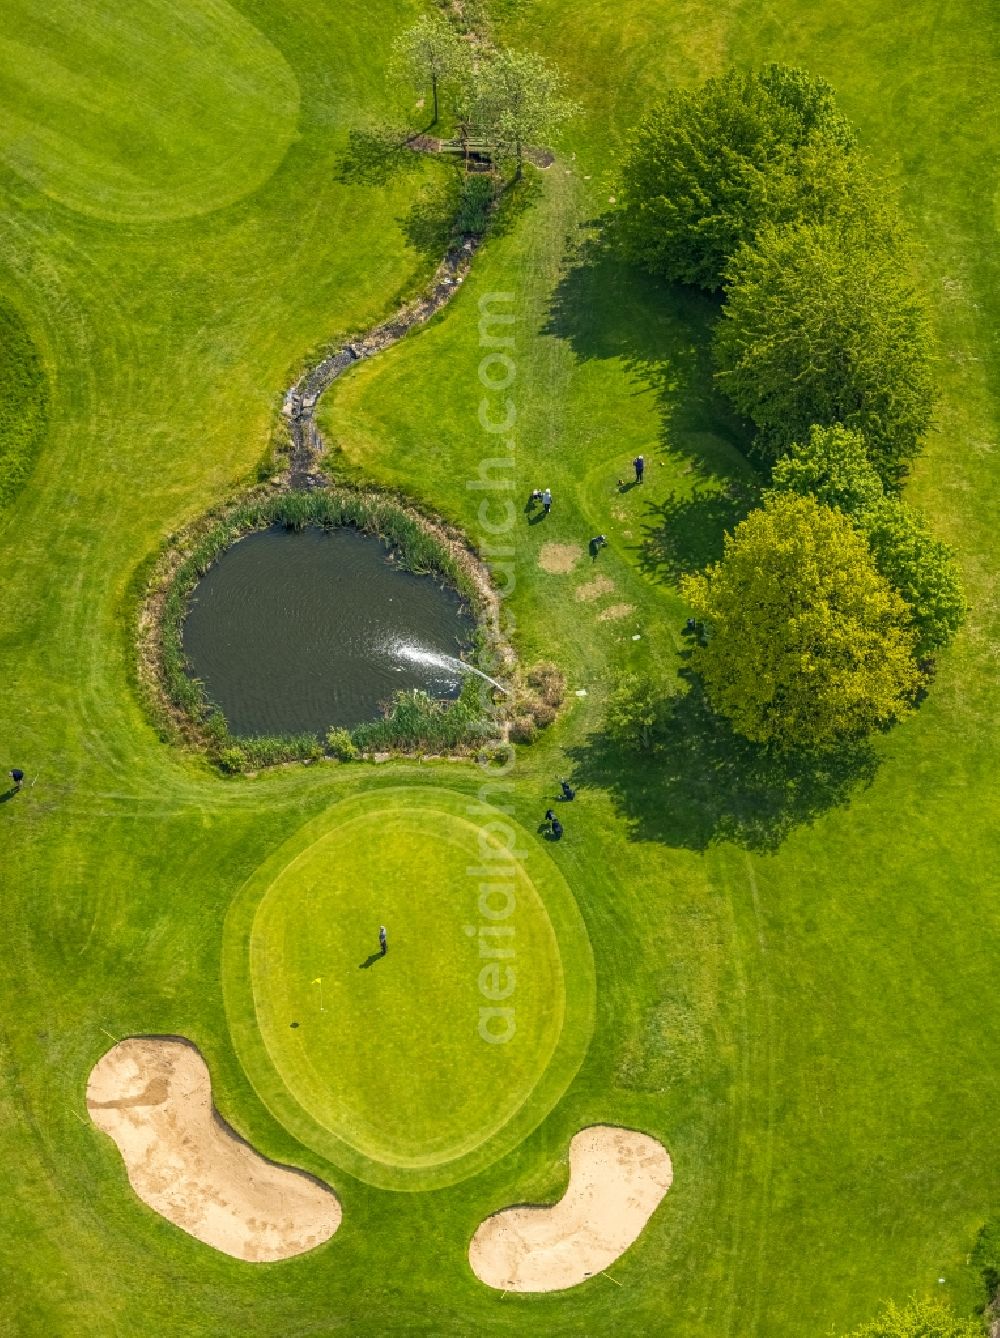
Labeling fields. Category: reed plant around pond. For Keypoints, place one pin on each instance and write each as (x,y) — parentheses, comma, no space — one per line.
(412,721)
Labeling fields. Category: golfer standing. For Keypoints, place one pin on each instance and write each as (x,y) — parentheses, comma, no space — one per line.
(17,776)
(383,941)
(639,464)
(547,500)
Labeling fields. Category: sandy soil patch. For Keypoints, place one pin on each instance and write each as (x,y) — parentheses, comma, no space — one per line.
(617,1178)
(153,1096)
(594,589)
(559,557)
(615,611)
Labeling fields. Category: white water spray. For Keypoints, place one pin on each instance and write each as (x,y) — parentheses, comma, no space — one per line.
(418,655)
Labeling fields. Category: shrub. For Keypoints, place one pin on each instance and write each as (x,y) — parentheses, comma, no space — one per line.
(341,745)
(474,204)
(919,1319)
(986,1257)
(820,328)
(635,712)
(232,759)
(921,568)
(415,720)
(709,166)
(831,464)
(807,644)
(543,714)
(523,729)
(549,682)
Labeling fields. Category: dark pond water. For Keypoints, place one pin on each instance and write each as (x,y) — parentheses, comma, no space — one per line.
(295,632)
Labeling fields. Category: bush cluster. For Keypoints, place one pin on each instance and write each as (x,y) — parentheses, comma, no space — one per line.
(537,703)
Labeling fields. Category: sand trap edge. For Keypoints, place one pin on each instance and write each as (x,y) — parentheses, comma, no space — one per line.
(189,1166)
(618,1178)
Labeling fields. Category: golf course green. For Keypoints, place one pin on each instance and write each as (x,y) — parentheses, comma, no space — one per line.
(789,981)
(417,1067)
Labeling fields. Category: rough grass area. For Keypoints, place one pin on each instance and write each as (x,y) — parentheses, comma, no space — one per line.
(795,974)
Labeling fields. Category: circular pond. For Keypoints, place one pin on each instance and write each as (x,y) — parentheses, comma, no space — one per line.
(295,632)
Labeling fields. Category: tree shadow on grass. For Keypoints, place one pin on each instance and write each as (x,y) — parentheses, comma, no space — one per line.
(606,308)
(374,155)
(429,223)
(684,534)
(704,784)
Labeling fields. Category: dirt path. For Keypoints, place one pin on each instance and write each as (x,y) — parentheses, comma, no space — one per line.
(153,1096)
(617,1179)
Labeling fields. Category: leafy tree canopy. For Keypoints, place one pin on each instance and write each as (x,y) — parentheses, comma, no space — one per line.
(820,327)
(430,53)
(709,166)
(515,99)
(807,643)
(635,712)
(920,1319)
(832,466)
(921,568)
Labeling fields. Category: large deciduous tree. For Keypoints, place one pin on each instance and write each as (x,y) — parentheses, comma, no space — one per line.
(515,99)
(806,645)
(820,327)
(709,166)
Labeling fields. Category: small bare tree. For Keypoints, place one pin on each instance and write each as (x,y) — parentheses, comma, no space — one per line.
(431,52)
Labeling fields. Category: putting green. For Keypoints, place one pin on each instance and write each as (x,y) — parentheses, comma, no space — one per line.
(183,108)
(415,1069)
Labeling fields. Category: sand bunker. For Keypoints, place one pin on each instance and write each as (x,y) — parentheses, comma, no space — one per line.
(559,557)
(153,1095)
(600,585)
(615,611)
(617,1178)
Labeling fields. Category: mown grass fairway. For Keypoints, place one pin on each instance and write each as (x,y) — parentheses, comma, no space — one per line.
(419,1067)
(180,110)
(798,997)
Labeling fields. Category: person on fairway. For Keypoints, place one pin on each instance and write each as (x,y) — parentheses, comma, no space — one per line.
(567,790)
(557,828)
(639,465)
(17,776)
(383,941)
(547,500)
(550,817)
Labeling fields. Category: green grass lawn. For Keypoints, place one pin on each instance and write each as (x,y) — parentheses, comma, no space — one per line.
(794,993)
(415,1069)
(23,401)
